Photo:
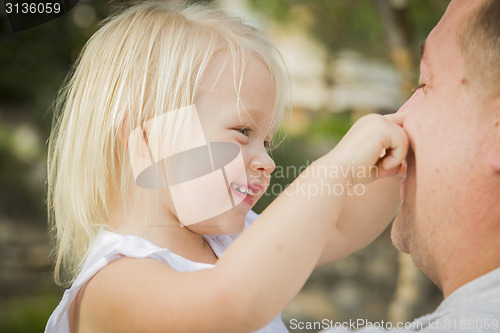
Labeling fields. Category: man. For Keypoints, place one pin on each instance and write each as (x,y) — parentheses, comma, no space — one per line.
(449,221)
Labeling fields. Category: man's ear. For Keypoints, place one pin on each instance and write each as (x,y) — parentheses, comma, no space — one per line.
(494,160)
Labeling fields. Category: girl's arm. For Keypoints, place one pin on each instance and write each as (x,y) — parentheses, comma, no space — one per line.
(363,218)
(260,272)
(367,211)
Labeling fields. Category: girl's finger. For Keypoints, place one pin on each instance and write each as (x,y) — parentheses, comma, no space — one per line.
(398,149)
(397,118)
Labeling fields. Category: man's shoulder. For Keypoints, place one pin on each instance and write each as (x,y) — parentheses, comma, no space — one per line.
(474,307)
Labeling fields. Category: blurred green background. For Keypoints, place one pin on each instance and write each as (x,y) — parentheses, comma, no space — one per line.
(346,58)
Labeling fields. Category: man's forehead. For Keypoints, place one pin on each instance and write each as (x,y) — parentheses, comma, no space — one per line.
(459,10)
(466,4)
(445,34)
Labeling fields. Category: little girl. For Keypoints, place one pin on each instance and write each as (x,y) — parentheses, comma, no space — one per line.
(158,154)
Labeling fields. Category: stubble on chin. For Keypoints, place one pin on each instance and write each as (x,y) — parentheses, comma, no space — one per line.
(400,232)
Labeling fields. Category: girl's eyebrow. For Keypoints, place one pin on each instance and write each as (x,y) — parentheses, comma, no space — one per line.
(242,119)
(243,112)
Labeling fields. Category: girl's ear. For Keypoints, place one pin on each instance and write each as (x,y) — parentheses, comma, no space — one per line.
(122,131)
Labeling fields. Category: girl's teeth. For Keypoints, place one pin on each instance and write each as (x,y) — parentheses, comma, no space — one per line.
(243,190)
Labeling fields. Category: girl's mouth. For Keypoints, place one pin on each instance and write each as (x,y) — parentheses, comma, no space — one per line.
(240,190)
(243,189)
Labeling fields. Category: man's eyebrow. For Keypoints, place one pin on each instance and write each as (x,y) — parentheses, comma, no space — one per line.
(422,50)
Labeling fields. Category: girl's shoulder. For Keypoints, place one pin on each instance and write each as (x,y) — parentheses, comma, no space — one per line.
(109,246)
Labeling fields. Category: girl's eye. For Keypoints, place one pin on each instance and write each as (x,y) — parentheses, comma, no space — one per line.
(268,145)
(244,130)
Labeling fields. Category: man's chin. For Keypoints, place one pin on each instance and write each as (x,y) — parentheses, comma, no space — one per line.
(399,234)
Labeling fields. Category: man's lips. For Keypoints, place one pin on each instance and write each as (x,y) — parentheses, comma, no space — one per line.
(408,165)
(402,189)
(410,157)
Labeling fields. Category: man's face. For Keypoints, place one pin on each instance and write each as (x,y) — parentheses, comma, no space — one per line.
(445,189)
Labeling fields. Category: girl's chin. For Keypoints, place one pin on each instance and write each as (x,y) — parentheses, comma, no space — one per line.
(228,223)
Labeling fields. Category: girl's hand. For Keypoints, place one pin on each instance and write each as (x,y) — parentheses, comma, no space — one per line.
(375,146)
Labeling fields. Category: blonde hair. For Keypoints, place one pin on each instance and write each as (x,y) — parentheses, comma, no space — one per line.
(141,63)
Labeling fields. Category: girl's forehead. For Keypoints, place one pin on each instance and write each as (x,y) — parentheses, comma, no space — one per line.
(240,90)
(226,71)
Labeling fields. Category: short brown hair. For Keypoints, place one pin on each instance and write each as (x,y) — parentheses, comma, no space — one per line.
(480,41)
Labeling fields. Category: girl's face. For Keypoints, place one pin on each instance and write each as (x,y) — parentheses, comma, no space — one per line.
(243,120)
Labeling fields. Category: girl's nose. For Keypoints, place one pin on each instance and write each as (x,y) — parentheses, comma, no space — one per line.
(263,162)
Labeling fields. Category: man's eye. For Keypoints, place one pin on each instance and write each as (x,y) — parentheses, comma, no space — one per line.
(244,130)
(420,86)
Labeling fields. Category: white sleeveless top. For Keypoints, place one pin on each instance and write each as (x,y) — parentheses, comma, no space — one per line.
(109,246)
